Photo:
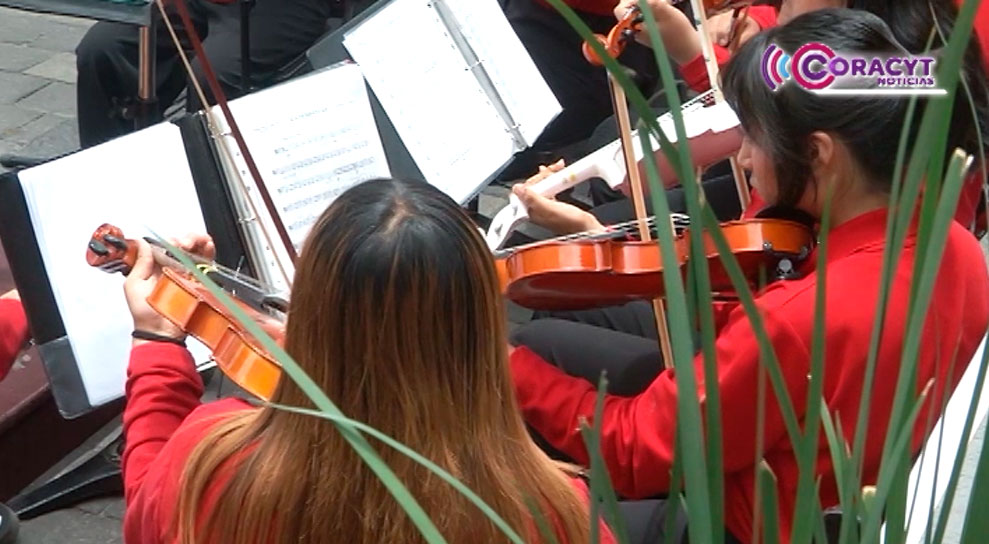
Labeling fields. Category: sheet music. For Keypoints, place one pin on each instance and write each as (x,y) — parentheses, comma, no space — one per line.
(142,184)
(529,99)
(436,103)
(312,139)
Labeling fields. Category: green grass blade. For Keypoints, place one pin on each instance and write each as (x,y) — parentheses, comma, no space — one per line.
(700,280)
(932,122)
(962,450)
(888,471)
(804,517)
(976,525)
(747,300)
(923,279)
(602,491)
(770,504)
(671,89)
(838,449)
(688,403)
(676,484)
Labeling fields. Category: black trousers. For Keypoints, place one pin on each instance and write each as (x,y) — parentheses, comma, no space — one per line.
(619,340)
(107,57)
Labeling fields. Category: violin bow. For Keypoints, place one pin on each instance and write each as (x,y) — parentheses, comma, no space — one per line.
(711,63)
(221,100)
(620,105)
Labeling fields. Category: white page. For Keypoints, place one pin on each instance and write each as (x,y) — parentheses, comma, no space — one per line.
(140,183)
(312,138)
(437,105)
(522,88)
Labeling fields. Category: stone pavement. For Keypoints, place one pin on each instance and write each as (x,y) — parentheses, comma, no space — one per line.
(37,117)
(37,82)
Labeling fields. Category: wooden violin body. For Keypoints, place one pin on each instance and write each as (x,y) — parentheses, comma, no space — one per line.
(585,274)
(181,299)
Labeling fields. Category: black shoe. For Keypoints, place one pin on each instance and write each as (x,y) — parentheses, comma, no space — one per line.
(9,525)
(13,160)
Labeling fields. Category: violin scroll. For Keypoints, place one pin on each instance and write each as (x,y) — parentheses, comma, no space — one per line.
(110,251)
(618,37)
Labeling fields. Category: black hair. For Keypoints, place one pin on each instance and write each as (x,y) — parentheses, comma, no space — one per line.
(782,121)
(911,22)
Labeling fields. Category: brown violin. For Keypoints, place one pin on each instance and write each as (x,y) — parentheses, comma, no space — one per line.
(180,298)
(586,271)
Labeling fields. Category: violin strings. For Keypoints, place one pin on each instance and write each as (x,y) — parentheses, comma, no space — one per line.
(210,266)
(618,230)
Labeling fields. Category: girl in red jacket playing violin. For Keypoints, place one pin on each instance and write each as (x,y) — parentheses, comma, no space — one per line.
(800,147)
(910,21)
(396,315)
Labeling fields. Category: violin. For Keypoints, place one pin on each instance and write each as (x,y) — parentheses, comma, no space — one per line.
(585,271)
(180,298)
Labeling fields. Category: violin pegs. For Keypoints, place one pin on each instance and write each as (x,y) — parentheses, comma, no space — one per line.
(98,248)
(116,242)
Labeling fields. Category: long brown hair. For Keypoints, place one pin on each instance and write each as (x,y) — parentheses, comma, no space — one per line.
(396,314)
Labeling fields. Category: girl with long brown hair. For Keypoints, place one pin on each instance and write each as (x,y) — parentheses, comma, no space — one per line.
(396,314)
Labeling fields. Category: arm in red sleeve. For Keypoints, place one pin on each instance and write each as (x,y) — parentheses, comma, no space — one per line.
(163,388)
(695,71)
(13,333)
(637,433)
(764,16)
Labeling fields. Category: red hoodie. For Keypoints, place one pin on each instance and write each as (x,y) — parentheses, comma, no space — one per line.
(14,333)
(163,422)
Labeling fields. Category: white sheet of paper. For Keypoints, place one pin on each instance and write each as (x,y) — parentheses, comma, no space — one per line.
(140,183)
(312,139)
(437,105)
(529,99)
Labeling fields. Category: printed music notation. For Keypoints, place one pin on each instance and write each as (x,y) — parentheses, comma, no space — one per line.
(312,140)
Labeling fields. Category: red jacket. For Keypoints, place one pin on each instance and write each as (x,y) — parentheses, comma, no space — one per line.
(14,333)
(638,432)
(163,422)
